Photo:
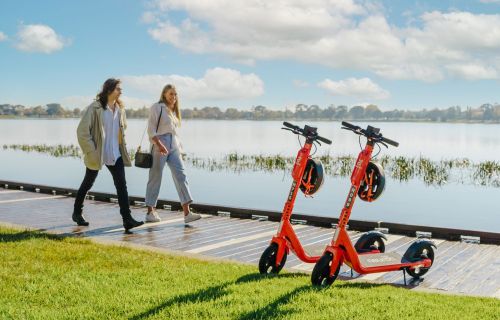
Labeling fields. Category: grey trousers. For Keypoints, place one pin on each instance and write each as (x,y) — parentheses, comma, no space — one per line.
(176,165)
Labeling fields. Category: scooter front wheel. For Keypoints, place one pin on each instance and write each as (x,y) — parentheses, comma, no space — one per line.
(321,272)
(267,262)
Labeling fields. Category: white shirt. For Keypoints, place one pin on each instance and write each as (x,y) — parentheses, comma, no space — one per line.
(168,123)
(111,132)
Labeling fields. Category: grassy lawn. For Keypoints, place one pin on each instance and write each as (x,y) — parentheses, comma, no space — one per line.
(44,277)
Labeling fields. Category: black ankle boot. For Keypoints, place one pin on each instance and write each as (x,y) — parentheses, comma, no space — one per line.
(79,219)
(129,223)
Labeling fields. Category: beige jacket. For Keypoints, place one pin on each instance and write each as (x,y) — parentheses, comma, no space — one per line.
(90,134)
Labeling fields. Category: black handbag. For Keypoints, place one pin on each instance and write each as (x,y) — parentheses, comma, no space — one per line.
(145,159)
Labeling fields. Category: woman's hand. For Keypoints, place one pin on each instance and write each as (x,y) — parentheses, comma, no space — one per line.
(161,147)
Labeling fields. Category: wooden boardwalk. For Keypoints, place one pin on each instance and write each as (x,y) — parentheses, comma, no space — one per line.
(460,267)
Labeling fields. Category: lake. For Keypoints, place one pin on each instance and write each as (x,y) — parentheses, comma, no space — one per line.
(453,205)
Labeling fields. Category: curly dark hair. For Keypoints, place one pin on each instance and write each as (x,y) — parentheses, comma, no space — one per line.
(108,87)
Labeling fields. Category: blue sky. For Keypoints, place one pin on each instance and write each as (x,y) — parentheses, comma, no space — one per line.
(395,54)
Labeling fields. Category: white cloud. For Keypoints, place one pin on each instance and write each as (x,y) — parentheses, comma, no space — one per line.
(3,36)
(473,71)
(72,102)
(149,17)
(362,88)
(39,38)
(300,83)
(217,84)
(339,34)
(136,103)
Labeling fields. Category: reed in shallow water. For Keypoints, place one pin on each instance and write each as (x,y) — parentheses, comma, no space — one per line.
(436,173)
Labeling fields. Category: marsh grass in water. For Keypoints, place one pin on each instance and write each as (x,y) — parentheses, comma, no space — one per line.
(55,151)
(400,168)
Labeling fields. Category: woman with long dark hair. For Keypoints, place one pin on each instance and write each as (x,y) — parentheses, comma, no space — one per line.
(101,135)
(164,119)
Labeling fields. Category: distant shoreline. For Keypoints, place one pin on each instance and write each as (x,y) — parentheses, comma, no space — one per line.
(4,117)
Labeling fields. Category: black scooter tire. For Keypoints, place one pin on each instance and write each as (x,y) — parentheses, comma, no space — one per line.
(321,273)
(425,251)
(267,262)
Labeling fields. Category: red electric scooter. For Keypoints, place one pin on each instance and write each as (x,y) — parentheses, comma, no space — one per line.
(367,255)
(308,177)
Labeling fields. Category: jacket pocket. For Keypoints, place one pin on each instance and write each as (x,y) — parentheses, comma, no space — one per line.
(93,158)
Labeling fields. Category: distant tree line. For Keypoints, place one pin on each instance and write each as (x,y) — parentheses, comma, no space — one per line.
(484,113)
(51,110)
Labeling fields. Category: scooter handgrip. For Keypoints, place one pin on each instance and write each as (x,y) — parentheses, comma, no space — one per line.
(391,142)
(350,126)
(289,125)
(325,140)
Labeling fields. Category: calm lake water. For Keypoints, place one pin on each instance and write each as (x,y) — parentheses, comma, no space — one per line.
(452,205)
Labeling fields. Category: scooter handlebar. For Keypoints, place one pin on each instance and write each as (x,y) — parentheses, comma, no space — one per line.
(350,126)
(325,140)
(389,141)
(291,126)
(358,130)
(299,130)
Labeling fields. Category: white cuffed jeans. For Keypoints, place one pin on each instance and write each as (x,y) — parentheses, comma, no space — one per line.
(176,165)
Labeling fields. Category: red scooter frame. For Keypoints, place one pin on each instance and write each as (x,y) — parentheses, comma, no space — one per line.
(274,257)
(367,258)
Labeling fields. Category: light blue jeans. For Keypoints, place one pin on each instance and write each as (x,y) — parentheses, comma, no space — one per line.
(176,165)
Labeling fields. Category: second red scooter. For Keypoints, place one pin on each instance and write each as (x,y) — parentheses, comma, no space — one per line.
(368,254)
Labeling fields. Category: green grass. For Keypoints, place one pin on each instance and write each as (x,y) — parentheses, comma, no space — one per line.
(45,277)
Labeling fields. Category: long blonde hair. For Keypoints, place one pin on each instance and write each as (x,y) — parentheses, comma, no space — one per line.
(177,110)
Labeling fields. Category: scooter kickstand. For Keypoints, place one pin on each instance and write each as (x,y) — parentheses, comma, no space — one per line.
(404,276)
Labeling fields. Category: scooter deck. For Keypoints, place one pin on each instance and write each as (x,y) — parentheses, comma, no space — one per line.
(380,259)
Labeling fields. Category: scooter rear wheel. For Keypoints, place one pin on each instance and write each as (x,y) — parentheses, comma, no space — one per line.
(374,243)
(267,262)
(321,272)
(423,252)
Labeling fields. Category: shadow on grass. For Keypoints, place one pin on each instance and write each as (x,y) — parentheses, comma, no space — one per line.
(356,285)
(411,283)
(209,294)
(272,310)
(26,235)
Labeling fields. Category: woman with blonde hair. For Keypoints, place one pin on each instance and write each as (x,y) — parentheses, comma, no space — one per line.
(101,135)
(164,119)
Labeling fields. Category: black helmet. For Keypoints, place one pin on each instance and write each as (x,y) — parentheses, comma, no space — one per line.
(373,182)
(312,178)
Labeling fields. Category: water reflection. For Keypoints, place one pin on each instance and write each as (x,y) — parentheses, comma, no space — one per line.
(400,168)
(435,141)
(405,199)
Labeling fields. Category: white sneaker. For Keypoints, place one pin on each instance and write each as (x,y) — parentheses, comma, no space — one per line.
(191,217)
(152,217)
